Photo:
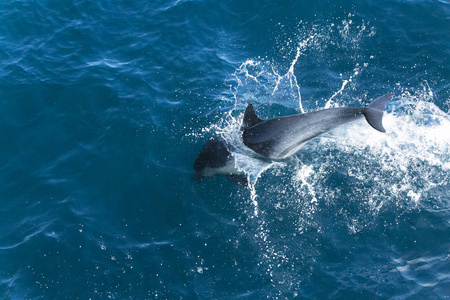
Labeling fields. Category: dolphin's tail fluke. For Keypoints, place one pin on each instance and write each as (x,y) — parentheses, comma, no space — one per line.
(374,112)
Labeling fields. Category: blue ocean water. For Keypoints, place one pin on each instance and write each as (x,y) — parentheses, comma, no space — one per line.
(104,106)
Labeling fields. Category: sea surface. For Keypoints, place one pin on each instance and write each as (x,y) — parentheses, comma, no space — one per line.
(104,106)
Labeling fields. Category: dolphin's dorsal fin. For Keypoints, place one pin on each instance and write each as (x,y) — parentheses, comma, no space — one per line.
(250,117)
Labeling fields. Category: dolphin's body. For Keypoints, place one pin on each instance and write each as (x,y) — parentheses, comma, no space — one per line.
(282,137)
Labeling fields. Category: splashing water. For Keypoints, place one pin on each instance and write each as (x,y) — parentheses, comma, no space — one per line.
(404,163)
(416,142)
(353,171)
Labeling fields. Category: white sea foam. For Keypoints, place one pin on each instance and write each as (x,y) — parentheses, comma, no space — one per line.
(354,171)
(404,163)
(347,177)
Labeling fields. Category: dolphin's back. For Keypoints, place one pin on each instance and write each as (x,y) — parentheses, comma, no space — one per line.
(281,137)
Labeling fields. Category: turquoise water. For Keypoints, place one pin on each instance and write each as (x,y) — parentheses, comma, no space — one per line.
(105,105)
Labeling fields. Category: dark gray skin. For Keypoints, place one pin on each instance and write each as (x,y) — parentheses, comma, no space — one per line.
(282,137)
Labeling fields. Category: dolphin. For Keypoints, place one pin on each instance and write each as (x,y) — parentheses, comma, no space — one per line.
(279,138)
(215,159)
(282,137)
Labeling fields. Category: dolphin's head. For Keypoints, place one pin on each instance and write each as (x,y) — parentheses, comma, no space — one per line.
(215,159)
(214,155)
